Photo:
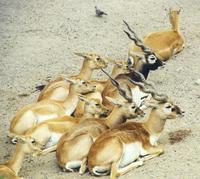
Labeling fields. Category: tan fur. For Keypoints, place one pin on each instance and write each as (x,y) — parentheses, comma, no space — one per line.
(28,116)
(163,43)
(120,66)
(84,134)
(108,150)
(58,89)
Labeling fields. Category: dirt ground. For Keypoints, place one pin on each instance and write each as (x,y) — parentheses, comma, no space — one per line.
(38,39)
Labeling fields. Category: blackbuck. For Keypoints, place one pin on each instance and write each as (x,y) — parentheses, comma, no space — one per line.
(128,145)
(47,133)
(70,153)
(11,168)
(58,89)
(35,113)
(156,47)
(120,66)
(135,86)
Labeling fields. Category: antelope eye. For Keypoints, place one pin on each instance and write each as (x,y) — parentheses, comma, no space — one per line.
(133,107)
(168,107)
(33,141)
(98,58)
(83,82)
(97,105)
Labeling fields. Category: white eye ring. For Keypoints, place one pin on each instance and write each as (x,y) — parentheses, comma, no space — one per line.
(152,59)
(130,60)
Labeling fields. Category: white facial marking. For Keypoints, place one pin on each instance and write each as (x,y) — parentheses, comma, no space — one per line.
(131,60)
(167,109)
(151,59)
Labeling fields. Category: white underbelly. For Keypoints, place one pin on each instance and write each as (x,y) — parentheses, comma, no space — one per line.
(53,140)
(131,152)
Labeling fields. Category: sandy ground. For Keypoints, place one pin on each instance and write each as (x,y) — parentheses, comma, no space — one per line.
(37,43)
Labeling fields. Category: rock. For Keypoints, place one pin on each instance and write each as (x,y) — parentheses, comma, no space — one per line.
(197,82)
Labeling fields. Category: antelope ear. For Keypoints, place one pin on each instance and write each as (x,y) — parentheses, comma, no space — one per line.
(71,80)
(113,101)
(151,104)
(179,11)
(84,55)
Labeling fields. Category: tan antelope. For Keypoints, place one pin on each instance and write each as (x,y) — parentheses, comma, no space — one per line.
(126,146)
(156,46)
(120,66)
(71,155)
(48,132)
(35,113)
(11,168)
(58,89)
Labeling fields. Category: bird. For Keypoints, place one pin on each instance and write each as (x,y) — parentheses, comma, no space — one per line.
(99,13)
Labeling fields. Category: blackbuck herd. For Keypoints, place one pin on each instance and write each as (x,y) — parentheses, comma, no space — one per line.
(85,120)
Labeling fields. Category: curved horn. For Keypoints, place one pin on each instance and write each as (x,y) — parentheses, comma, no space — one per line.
(116,84)
(136,39)
(155,95)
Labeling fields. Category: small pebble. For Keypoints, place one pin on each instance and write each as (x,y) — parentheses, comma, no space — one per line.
(197,82)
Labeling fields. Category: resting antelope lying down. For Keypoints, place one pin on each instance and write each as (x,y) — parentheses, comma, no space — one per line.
(137,89)
(71,155)
(11,168)
(35,113)
(120,66)
(44,137)
(156,47)
(58,89)
(128,145)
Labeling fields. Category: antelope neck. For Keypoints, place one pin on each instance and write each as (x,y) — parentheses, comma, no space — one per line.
(86,71)
(154,124)
(115,117)
(71,101)
(15,162)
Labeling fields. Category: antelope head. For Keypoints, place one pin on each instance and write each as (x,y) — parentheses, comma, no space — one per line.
(81,86)
(95,61)
(129,108)
(30,145)
(165,108)
(94,107)
(145,60)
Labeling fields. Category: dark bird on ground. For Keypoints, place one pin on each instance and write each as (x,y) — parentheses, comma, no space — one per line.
(99,13)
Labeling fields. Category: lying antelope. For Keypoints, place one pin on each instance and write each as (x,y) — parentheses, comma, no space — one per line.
(71,155)
(137,89)
(156,47)
(120,66)
(11,168)
(126,146)
(35,113)
(58,89)
(47,133)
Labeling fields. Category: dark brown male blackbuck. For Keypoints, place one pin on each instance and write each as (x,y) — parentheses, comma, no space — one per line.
(149,53)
